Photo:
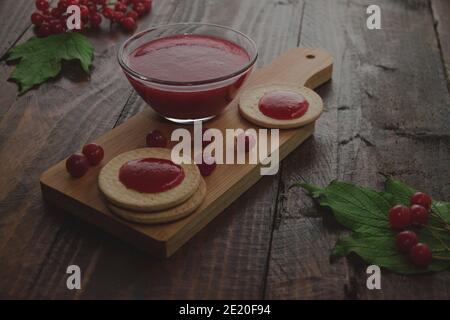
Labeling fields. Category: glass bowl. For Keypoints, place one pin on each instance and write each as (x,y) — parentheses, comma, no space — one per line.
(188,101)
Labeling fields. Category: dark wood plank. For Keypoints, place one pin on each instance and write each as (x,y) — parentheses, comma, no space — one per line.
(40,128)
(441,14)
(227,260)
(387,111)
(14,22)
(299,266)
(410,137)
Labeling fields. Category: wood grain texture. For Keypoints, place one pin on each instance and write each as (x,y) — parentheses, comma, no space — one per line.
(299,266)
(14,21)
(39,128)
(441,14)
(368,128)
(372,123)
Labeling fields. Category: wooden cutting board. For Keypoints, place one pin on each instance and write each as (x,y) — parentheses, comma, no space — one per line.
(309,67)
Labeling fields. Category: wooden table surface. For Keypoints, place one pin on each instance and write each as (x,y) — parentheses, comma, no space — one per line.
(387,110)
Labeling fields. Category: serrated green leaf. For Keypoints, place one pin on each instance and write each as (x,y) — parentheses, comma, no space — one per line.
(380,250)
(365,212)
(40,58)
(356,208)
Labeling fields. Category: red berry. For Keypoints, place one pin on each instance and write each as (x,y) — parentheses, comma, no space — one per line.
(92,8)
(133,14)
(95,19)
(55,13)
(118,16)
(147,5)
(139,8)
(43,31)
(156,139)
(120,7)
(399,217)
(422,199)
(94,153)
(419,214)
(73,2)
(128,23)
(100,2)
(84,11)
(56,27)
(62,5)
(77,165)
(405,240)
(420,255)
(207,165)
(108,13)
(48,18)
(42,5)
(37,19)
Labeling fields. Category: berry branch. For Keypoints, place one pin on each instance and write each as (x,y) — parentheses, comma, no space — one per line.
(49,21)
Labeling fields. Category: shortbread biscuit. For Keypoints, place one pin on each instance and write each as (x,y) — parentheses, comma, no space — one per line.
(169,215)
(119,195)
(249,106)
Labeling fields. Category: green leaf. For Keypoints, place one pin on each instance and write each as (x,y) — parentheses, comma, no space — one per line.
(40,58)
(356,208)
(365,212)
(403,192)
(380,250)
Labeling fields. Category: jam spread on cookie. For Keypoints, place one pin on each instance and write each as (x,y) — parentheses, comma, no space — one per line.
(151,175)
(283,105)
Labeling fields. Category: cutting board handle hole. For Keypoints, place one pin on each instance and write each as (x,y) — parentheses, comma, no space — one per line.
(310,56)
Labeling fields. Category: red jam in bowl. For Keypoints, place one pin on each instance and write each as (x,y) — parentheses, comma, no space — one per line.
(184,66)
(151,175)
(283,105)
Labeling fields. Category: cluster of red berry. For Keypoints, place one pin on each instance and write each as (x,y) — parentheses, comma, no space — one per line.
(400,217)
(78,164)
(48,21)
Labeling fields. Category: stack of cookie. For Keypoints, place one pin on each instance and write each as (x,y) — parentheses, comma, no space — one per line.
(145,186)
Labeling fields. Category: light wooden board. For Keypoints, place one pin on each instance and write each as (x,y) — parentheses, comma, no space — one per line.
(310,67)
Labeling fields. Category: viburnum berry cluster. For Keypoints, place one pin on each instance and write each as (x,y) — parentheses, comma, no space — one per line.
(49,21)
(78,163)
(401,217)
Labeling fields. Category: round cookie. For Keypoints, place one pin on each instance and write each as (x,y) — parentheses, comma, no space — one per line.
(119,195)
(249,106)
(164,216)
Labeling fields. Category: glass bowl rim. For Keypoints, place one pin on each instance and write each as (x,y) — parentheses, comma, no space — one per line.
(140,76)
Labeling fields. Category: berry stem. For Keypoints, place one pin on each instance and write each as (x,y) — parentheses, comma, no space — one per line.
(441,258)
(437,237)
(439,217)
(442,250)
(443,222)
(436,228)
